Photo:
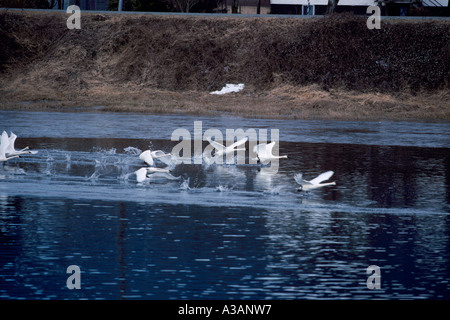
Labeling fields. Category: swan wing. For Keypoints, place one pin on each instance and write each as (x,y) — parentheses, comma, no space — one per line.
(146,156)
(216,145)
(4,143)
(159,153)
(141,174)
(12,140)
(299,179)
(166,159)
(322,177)
(260,148)
(256,148)
(156,170)
(169,176)
(269,147)
(160,172)
(266,150)
(238,143)
(162,156)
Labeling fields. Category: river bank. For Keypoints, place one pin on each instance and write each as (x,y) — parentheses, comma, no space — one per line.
(320,68)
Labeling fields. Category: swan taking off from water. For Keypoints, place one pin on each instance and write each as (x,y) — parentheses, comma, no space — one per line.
(147,172)
(4,144)
(315,183)
(148,156)
(221,149)
(11,151)
(264,152)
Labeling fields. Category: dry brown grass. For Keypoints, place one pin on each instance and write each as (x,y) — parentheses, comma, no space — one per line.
(292,68)
(287,102)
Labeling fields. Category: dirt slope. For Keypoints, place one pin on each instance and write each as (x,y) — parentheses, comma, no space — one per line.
(330,67)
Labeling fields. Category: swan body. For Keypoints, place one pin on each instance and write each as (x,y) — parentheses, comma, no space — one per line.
(147,172)
(221,149)
(11,151)
(315,183)
(149,156)
(4,144)
(264,152)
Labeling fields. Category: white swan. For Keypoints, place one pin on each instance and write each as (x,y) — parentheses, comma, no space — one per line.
(148,156)
(221,149)
(264,152)
(315,183)
(11,151)
(4,144)
(147,172)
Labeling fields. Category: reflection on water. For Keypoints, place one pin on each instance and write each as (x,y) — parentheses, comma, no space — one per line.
(224,232)
(131,250)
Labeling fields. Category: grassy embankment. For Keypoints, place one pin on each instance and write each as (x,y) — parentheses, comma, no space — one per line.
(323,68)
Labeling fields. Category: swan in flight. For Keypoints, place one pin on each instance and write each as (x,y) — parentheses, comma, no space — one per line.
(11,151)
(221,149)
(315,183)
(148,156)
(4,144)
(264,152)
(147,172)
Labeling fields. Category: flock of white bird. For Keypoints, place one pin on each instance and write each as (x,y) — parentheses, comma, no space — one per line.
(263,151)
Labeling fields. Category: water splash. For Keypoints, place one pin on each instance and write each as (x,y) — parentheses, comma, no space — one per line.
(223,188)
(101,162)
(94,177)
(185,185)
(20,171)
(111,151)
(275,191)
(132,150)
(125,176)
(49,157)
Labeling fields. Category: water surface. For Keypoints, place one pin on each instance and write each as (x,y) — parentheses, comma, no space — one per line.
(228,231)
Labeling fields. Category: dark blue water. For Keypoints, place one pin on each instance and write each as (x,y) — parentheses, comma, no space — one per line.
(223,232)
